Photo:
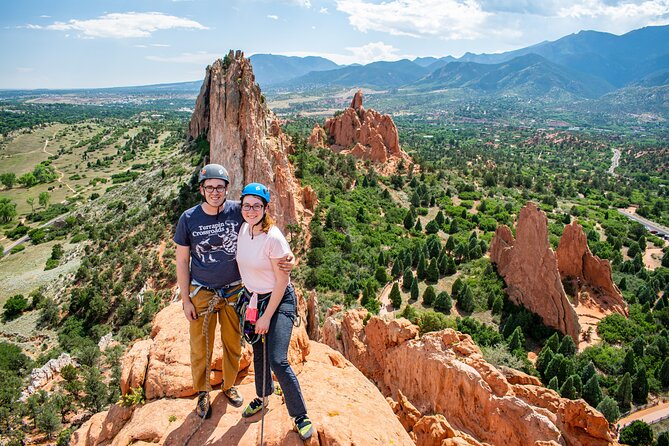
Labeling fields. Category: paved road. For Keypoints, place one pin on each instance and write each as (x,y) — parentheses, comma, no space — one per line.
(25,237)
(650,225)
(650,415)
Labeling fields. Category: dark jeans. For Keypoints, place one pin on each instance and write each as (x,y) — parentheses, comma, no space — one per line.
(278,339)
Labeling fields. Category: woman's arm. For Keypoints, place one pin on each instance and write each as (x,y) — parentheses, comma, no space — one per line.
(262,325)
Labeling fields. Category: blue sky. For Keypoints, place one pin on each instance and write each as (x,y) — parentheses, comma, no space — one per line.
(96,43)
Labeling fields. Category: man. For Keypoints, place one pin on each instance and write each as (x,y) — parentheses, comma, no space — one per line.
(206,239)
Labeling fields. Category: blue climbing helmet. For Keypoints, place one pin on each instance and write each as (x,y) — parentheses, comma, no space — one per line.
(256,189)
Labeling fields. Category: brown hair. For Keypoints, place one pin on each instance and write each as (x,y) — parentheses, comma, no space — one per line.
(267,221)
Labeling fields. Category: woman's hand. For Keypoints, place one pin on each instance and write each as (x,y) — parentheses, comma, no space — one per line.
(262,324)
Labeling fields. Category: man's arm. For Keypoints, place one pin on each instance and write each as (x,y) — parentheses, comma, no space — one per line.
(183,280)
(287,263)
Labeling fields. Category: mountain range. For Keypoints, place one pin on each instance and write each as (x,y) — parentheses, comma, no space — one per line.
(587,64)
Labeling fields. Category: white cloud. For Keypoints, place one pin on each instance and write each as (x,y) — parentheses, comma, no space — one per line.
(448,19)
(123,25)
(323,10)
(273,17)
(160,45)
(201,58)
(371,52)
(621,11)
(303,3)
(43,16)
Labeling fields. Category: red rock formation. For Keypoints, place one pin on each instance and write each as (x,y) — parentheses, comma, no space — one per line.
(313,318)
(326,378)
(529,267)
(245,137)
(317,137)
(588,272)
(448,376)
(365,134)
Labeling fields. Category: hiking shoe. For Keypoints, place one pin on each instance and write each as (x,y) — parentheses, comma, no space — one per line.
(234,397)
(303,427)
(203,407)
(253,408)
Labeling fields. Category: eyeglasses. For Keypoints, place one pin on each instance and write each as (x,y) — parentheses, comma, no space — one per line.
(256,207)
(211,189)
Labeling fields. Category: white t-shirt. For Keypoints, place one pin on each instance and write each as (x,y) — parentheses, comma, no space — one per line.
(253,257)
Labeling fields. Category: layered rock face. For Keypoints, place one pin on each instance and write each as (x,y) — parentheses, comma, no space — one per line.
(588,272)
(365,134)
(245,137)
(530,269)
(161,366)
(447,394)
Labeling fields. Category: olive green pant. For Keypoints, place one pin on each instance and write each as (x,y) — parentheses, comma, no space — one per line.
(231,338)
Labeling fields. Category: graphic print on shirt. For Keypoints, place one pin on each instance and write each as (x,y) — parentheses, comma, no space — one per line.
(222,238)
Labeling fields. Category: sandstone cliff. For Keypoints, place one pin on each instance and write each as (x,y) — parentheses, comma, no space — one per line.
(245,137)
(448,394)
(530,270)
(337,395)
(365,134)
(588,273)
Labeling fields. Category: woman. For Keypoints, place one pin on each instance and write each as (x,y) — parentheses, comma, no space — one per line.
(260,245)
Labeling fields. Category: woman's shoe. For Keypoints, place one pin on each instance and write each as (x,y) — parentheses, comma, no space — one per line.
(253,408)
(303,427)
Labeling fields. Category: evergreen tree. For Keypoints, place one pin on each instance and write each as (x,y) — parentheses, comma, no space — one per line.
(454,228)
(96,391)
(567,346)
(592,392)
(421,270)
(624,394)
(432,227)
(443,302)
(663,439)
(553,384)
(609,408)
(466,300)
(544,358)
(640,386)
(451,268)
(442,264)
(395,296)
(418,227)
(553,342)
(381,275)
(440,218)
(407,279)
(48,420)
(414,289)
(638,346)
(429,295)
(410,313)
(629,363)
(408,221)
(664,373)
(497,305)
(587,373)
(456,289)
(568,390)
(432,273)
(450,244)
(397,269)
(517,340)
(637,433)
(347,245)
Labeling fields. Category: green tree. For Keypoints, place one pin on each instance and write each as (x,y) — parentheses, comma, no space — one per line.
(568,390)
(409,313)
(7,210)
(624,393)
(8,179)
(432,274)
(637,433)
(432,227)
(14,306)
(629,363)
(443,302)
(407,279)
(663,439)
(31,203)
(497,305)
(466,300)
(457,287)
(429,296)
(609,408)
(553,342)
(28,180)
(414,289)
(587,373)
(664,373)
(544,358)
(48,420)
(397,269)
(395,296)
(517,340)
(381,275)
(408,221)
(421,270)
(44,198)
(554,384)
(592,392)
(96,391)
(567,346)
(640,386)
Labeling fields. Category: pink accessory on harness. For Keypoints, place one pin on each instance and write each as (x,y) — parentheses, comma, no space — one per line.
(252,309)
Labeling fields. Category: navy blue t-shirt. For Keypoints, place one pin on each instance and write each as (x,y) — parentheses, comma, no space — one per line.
(212,242)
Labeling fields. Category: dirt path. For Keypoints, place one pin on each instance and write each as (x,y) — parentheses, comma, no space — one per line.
(652,258)
(384,297)
(60,179)
(650,415)
(615,161)
(588,318)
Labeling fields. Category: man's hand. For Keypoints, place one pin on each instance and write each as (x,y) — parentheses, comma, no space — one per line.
(189,310)
(287,263)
